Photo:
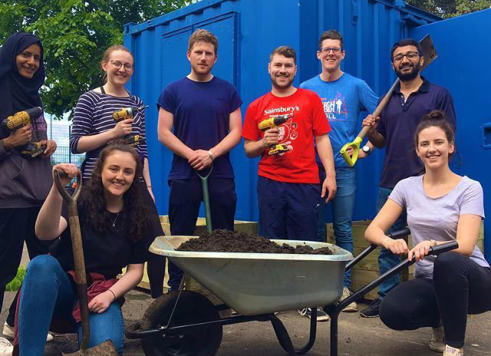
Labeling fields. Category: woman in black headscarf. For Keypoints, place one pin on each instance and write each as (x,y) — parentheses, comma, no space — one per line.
(24,180)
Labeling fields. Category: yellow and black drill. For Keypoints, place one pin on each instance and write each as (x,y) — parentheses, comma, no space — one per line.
(12,123)
(129,113)
(275,121)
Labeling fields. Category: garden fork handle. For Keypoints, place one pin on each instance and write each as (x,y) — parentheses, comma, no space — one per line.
(206,197)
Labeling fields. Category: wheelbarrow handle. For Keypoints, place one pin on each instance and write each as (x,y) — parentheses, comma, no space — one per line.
(398,233)
(441,248)
(435,250)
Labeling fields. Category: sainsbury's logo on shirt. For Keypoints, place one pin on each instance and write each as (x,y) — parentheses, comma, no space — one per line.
(282,110)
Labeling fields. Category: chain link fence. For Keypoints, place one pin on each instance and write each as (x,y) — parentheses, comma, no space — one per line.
(59,131)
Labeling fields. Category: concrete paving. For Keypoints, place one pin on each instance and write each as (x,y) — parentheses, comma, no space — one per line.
(357,336)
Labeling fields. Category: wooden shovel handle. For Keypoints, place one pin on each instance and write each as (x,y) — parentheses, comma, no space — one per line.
(77,249)
(379,108)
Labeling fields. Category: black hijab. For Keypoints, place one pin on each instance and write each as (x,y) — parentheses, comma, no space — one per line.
(17,92)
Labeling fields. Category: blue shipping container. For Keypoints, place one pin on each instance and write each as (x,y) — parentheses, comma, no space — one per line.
(248,30)
(462,66)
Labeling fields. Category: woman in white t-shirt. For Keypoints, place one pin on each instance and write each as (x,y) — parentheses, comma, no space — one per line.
(441,206)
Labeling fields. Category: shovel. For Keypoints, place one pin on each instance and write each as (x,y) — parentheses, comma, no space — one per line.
(107,347)
(429,55)
(206,197)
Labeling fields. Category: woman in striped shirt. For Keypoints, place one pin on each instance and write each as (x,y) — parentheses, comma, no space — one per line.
(93,123)
(94,126)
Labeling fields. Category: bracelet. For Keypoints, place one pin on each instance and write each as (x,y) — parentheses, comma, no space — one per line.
(114,295)
(149,186)
(212,156)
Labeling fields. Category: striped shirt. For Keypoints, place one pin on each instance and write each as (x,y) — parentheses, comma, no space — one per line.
(93,115)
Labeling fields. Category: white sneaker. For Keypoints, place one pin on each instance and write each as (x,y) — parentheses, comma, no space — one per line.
(9,332)
(436,342)
(6,347)
(452,351)
(351,307)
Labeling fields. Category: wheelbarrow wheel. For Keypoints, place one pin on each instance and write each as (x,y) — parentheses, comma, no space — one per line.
(192,308)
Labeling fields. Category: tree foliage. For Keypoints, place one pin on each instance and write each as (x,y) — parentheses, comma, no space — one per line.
(74,34)
(450,8)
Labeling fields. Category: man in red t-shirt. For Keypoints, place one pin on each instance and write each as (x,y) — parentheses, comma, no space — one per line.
(288,185)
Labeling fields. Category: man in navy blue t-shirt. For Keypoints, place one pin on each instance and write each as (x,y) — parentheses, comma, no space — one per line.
(412,98)
(204,112)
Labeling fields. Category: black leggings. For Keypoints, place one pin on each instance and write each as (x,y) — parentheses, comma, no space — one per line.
(459,287)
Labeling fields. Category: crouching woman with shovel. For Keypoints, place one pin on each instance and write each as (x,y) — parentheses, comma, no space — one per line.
(116,233)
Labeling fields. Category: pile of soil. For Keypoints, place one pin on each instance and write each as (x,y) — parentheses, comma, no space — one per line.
(233,241)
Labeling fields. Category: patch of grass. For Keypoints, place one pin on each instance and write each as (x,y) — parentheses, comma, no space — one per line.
(15,283)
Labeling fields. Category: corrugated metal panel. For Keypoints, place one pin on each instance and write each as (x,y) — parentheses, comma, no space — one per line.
(248,30)
(462,67)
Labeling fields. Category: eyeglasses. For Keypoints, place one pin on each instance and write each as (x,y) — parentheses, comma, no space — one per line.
(118,65)
(327,50)
(410,55)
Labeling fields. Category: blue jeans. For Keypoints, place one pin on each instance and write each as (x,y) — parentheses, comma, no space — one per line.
(386,259)
(47,293)
(342,211)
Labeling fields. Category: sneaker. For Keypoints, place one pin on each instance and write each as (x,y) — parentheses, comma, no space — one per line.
(9,332)
(436,343)
(452,351)
(6,347)
(351,307)
(321,314)
(372,310)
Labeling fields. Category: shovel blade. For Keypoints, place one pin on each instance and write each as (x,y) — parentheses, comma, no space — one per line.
(429,51)
(107,348)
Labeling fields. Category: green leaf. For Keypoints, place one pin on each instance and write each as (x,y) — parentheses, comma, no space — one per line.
(74,34)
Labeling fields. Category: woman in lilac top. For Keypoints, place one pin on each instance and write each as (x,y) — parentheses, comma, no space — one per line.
(441,206)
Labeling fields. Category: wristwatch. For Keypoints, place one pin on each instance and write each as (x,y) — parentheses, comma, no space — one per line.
(366,149)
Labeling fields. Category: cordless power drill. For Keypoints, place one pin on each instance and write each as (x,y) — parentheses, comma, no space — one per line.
(129,113)
(31,149)
(275,121)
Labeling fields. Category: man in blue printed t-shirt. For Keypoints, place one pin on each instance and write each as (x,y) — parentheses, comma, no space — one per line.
(344,97)
(411,99)
(204,112)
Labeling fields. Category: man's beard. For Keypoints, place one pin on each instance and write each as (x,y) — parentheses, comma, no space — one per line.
(283,86)
(406,77)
